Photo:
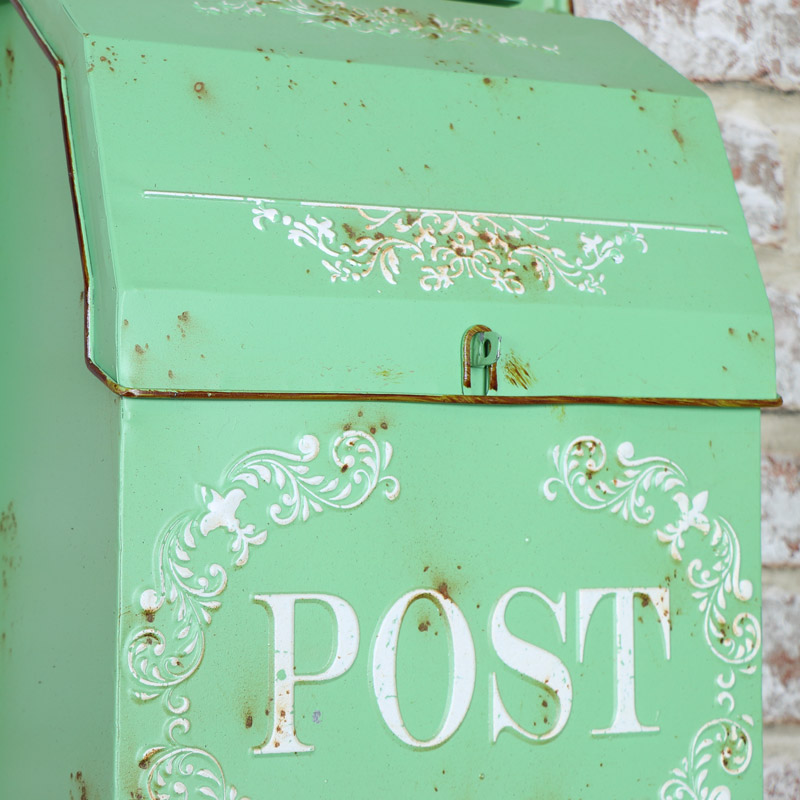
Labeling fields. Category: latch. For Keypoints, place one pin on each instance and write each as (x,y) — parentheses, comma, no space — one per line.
(480,350)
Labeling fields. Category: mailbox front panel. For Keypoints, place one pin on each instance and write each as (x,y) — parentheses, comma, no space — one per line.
(401,600)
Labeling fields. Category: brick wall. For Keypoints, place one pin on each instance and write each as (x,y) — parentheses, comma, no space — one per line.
(745,54)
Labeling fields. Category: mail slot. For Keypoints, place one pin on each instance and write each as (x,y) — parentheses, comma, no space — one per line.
(424,455)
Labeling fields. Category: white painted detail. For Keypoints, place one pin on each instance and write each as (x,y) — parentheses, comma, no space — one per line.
(625,719)
(284,679)
(384,668)
(610,223)
(631,492)
(447,244)
(541,666)
(188,589)
(387,20)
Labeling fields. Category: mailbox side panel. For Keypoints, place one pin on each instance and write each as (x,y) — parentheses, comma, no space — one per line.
(488,601)
(58,463)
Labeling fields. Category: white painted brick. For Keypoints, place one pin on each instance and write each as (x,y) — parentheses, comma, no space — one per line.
(754,157)
(781,686)
(782,779)
(713,40)
(786,313)
(780,511)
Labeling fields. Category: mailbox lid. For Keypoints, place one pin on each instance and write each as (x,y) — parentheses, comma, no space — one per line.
(276,199)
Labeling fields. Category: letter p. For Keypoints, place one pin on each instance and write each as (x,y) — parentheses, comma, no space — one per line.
(281,609)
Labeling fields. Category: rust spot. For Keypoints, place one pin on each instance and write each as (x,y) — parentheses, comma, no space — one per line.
(200,90)
(388,374)
(644,600)
(425,568)
(344,467)
(139,349)
(171,374)
(248,720)
(487,81)
(8,523)
(731,331)
(678,138)
(8,536)
(517,373)
(424,625)
(80,784)
(184,320)
(373,430)
(10,59)
(443,590)
(451,127)
(384,425)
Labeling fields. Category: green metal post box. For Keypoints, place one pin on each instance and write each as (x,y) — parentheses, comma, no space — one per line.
(424,460)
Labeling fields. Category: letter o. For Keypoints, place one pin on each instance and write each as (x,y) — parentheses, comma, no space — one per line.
(384,668)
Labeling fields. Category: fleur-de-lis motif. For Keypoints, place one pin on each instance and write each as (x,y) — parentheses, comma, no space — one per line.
(582,470)
(161,659)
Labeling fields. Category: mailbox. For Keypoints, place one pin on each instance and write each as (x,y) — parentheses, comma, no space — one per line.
(424,458)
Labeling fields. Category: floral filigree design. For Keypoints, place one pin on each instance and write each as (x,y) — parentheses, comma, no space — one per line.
(186,772)
(160,662)
(721,745)
(715,582)
(448,245)
(387,20)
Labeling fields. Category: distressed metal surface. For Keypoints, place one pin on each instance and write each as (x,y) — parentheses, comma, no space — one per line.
(433,566)
(219,304)
(451,594)
(59,455)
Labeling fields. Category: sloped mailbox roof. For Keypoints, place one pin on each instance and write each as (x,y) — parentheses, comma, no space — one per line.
(303,196)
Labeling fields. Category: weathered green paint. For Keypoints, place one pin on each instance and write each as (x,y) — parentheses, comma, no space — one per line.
(144,540)
(59,456)
(580,122)
(471,520)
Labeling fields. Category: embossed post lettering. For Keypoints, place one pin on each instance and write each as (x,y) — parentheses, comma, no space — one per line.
(384,668)
(281,610)
(545,669)
(625,719)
